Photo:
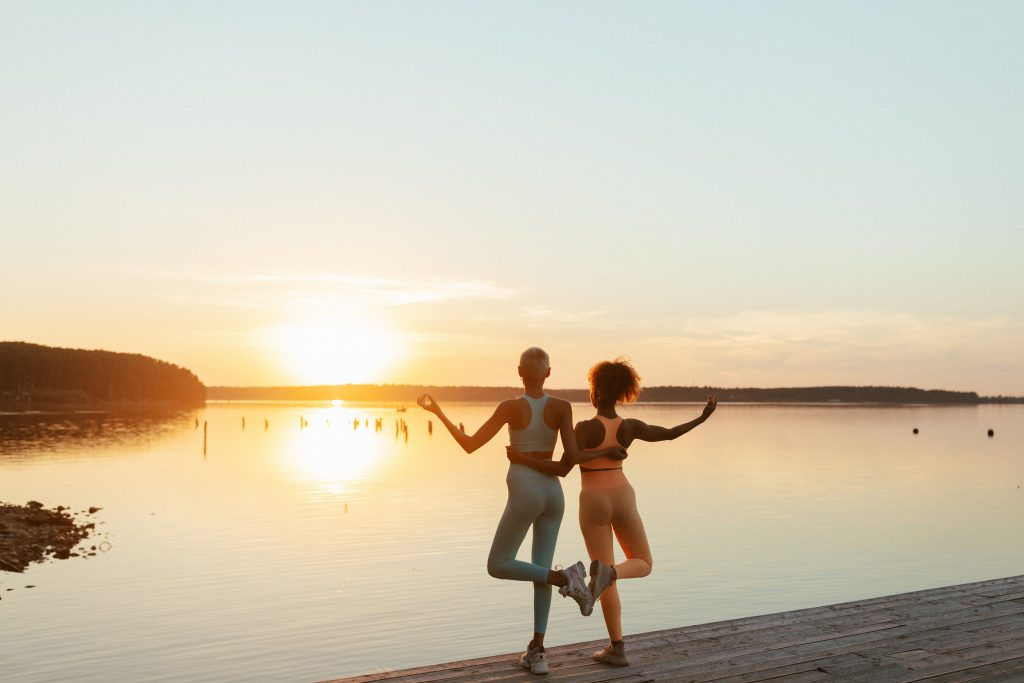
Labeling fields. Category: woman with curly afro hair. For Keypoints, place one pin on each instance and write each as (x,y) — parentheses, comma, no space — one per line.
(607,500)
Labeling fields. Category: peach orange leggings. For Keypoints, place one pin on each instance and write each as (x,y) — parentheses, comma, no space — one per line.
(608,504)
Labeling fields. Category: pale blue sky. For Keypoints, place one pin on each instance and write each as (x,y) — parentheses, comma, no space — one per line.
(734,193)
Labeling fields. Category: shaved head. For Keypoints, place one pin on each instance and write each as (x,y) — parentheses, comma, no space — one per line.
(534,363)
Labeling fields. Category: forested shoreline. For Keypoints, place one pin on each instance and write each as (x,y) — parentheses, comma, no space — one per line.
(33,376)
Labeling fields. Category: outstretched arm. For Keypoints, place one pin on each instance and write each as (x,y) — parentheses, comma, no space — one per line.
(646,432)
(482,435)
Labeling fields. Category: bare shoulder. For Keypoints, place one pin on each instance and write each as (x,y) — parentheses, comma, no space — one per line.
(589,433)
(588,426)
(510,407)
(632,428)
(515,412)
(556,411)
(560,404)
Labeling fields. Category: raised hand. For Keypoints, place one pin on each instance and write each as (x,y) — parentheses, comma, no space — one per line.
(709,408)
(426,402)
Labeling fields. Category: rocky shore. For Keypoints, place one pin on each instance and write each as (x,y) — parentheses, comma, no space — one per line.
(31,533)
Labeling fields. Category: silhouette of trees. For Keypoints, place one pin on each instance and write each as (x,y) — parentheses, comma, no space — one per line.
(33,374)
(833,394)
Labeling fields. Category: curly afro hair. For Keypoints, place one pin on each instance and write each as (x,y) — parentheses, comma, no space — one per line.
(613,381)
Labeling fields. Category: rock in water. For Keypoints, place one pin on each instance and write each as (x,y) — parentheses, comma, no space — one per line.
(30,533)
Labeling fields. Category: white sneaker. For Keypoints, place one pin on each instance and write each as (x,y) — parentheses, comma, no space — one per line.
(535,660)
(576,588)
(600,578)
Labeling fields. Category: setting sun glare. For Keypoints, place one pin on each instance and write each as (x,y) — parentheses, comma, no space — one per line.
(351,351)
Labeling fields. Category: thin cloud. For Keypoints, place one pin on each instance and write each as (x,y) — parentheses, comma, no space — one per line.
(820,347)
(543,314)
(327,290)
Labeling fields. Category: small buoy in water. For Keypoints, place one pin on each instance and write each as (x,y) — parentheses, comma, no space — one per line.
(915,430)
(991,432)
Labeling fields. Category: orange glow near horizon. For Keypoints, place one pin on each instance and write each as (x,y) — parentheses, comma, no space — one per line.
(353,351)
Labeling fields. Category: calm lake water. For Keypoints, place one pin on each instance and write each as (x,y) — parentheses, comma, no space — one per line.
(303,554)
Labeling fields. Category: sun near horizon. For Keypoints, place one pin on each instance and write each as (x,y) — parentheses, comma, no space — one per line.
(729,198)
(347,351)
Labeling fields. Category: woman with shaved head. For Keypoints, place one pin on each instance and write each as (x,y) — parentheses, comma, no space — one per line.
(535,499)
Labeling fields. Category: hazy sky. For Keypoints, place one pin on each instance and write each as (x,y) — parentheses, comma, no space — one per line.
(731,193)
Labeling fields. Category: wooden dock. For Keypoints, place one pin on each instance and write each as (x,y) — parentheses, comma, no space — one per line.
(972,632)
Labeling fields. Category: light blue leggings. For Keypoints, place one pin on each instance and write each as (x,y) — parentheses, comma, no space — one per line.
(534,499)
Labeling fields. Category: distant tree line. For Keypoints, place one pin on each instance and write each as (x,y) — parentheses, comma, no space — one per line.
(32,375)
(372,392)
(662,394)
(838,394)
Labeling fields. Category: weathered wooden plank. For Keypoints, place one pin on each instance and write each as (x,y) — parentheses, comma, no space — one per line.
(972,631)
(804,677)
(915,614)
(840,644)
(1009,670)
(857,667)
(731,659)
(916,598)
(590,675)
(735,659)
(747,663)
(960,667)
(1007,677)
(573,668)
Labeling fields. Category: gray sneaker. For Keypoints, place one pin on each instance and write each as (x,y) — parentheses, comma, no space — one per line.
(612,655)
(535,660)
(601,576)
(576,588)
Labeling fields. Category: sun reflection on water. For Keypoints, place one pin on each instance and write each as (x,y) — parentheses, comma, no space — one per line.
(333,454)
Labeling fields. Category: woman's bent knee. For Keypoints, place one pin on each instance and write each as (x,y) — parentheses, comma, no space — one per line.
(498,567)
